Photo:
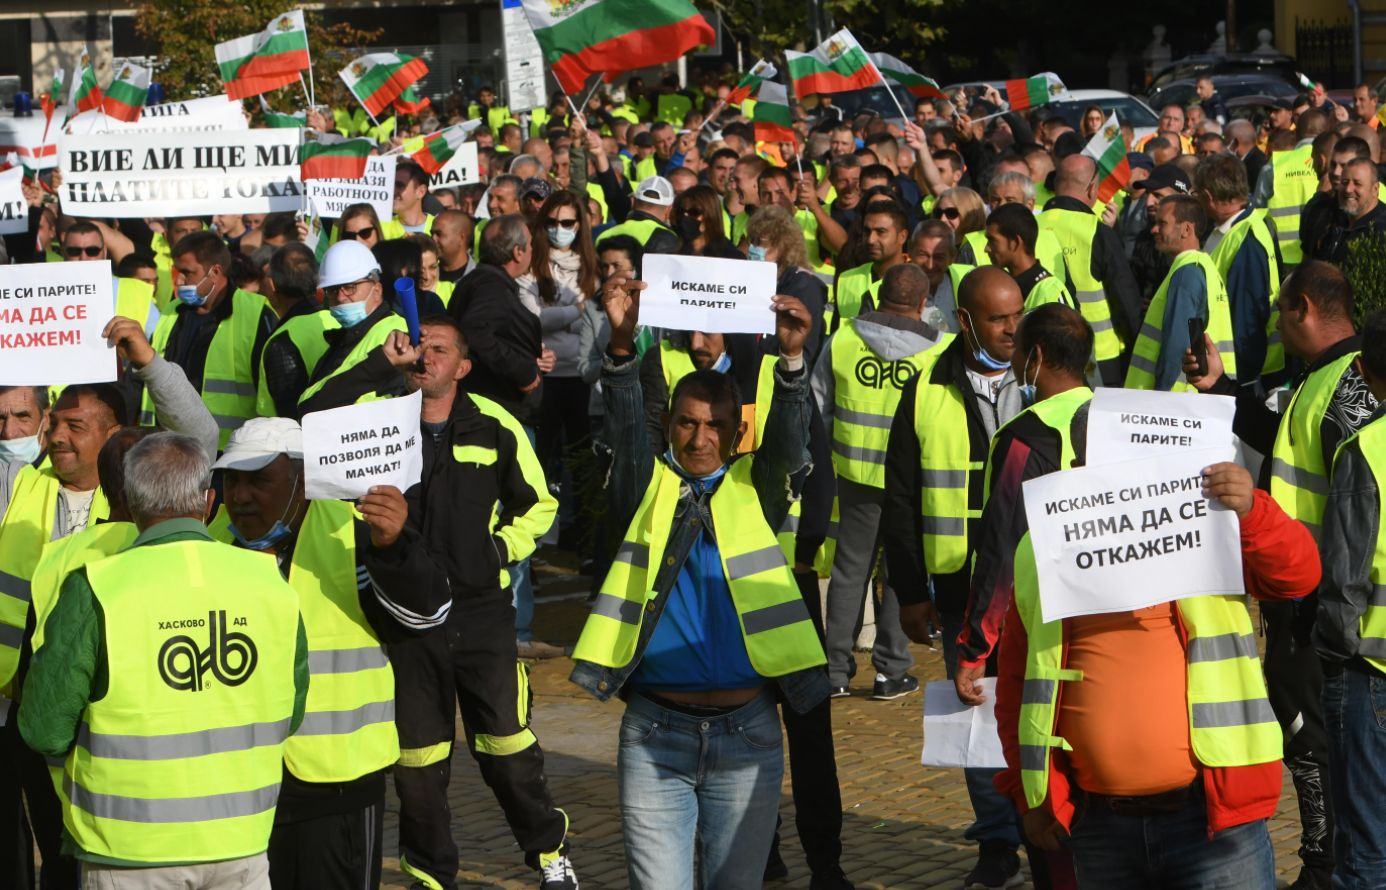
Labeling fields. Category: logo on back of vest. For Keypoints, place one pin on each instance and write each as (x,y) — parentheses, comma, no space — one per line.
(230,656)
(878,373)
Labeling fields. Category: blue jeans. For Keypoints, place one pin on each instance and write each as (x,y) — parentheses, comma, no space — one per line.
(522,587)
(708,783)
(1170,851)
(1354,710)
(996,816)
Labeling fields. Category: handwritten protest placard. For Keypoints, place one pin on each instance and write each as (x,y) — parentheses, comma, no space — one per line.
(184,174)
(1126,424)
(14,210)
(51,317)
(1124,536)
(329,197)
(348,450)
(687,293)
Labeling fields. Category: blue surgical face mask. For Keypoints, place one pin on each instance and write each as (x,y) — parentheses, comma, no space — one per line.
(276,534)
(710,477)
(722,365)
(984,358)
(1027,390)
(188,293)
(24,449)
(755,252)
(349,315)
(562,238)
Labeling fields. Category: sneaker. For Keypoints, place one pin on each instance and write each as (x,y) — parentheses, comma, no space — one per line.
(998,868)
(840,692)
(885,689)
(830,879)
(537,649)
(556,872)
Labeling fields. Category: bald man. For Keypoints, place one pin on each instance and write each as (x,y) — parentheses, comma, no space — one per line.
(1098,274)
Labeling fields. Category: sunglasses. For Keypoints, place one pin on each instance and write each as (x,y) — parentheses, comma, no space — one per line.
(363,234)
(692,212)
(90,250)
(560,223)
(949,212)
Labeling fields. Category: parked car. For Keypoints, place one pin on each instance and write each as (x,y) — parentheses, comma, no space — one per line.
(1189,68)
(1129,109)
(1229,86)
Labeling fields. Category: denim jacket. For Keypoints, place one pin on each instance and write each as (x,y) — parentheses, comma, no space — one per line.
(783,452)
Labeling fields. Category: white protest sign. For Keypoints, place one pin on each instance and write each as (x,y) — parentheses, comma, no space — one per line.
(463,168)
(329,197)
(14,210)
(51,317)
(524,59)
(185,174)
(1128,424)
(956,734)
(1125,536)
(687,293)
(24,136)
(348,450)
(212,113)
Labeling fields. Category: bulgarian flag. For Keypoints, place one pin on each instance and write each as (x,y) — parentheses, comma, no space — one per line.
(408,102)
(334,160)
(1032,91)
(85,94)
(439,148)
(278,120)
(377,79)
(773,122)
(582,37)
(126,95)
(258,63)
(837,66)
(918,86)
(759,73)
(1108,148)
(49,100)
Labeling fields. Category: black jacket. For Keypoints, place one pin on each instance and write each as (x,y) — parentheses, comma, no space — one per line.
(504,340)
(1110,266)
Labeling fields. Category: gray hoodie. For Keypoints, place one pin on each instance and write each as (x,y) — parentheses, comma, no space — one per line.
(891,337)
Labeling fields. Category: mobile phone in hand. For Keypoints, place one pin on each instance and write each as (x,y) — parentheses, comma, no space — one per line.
(1198,345)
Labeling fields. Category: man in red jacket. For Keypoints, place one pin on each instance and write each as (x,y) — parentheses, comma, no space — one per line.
(1131,800)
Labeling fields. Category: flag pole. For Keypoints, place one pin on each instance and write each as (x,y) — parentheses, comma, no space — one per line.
(889,91)
(307,93)
(588,97)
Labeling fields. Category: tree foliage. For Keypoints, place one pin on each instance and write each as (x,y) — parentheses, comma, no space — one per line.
(1365,269)
(904,28)
(185,32)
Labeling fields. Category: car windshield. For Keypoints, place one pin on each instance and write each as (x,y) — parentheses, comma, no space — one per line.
(1183,93)
(1128,110)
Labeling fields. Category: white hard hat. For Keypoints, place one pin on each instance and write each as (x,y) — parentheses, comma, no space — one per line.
(345,262)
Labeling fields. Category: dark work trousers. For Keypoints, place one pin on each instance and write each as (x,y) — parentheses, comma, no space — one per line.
(26,780)
(492,690)
(812,763)
(336,851)
(1294,683)
(563,424)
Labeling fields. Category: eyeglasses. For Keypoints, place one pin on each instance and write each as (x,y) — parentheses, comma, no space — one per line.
(90,250)
(347,290)
(949,212)
(362,233)
(552,223)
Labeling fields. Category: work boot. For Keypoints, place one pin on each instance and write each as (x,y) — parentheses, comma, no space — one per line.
(998,868)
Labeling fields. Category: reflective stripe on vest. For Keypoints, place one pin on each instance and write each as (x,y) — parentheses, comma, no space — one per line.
(1230,719)
(26,530)
(228,380)
(376,336)
(1223,256)
(305,332)
(1371,642)
(1151,340)
(775,624)
(866,391)
(676,364)
(1294,183)
(349,722)
(181,760)
(1299,478)
(1075,232)
(946,465)
(639,229)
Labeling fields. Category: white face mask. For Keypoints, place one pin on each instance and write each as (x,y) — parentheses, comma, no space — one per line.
(562,238)
(25,449)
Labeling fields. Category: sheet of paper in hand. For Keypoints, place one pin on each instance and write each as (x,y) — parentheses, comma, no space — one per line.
(51,318)
(716,296)
(348,450)
(1127,424)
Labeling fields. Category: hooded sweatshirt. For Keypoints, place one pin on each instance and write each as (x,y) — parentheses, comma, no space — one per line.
(891,337)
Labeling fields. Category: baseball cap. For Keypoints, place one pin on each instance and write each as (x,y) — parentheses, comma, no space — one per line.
(643,139)
(1166,176)
(534,187)
(259,441)
(1139,160)
(1284,104)
(655,190)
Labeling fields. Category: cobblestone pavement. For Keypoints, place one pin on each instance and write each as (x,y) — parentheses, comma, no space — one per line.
(902,827)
